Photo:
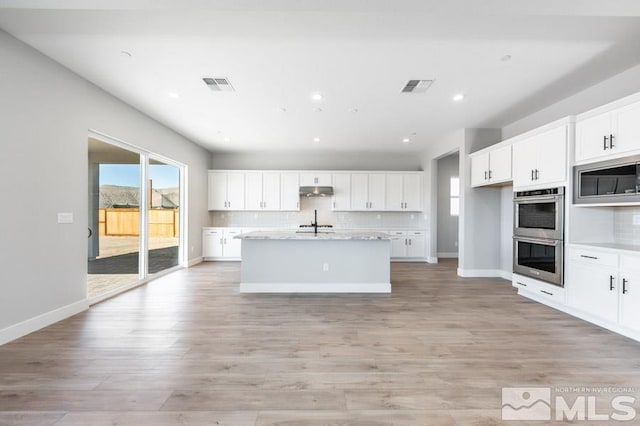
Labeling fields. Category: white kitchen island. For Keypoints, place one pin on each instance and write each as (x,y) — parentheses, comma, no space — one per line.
(326,262)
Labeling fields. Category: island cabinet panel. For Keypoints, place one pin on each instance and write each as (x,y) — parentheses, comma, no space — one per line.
(290,192)
(226,190)
(341,192)
(610,134)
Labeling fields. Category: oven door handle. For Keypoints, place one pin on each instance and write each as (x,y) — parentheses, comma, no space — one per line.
(528,200)
(537,241)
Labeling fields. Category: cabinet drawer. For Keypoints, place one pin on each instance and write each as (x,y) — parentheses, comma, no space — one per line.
(547,291)
(211,232)
(593,257)
(629,262)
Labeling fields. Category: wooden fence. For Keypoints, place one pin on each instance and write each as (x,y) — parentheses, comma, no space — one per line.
(125,222)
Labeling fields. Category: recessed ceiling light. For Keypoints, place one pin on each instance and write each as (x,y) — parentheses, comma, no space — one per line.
(458,97)
(406,140)
(316,97)
(283,110)
(227,139)
(173,95)
(505,58)
(318,109)
(126,54)
(316,139)
(353,110)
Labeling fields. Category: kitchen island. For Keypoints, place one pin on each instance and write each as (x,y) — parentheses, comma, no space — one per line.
(308,262)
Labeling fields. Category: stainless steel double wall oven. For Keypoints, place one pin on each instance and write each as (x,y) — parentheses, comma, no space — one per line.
(538,234)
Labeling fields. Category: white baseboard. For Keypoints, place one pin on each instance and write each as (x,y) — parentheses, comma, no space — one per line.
(194,261)
(315,287)
(453,255)
(484,273)
(36,323)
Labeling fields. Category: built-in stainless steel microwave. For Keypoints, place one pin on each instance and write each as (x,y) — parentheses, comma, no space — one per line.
(608,182)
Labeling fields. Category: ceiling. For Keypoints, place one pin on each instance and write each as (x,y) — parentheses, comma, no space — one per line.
(357,54)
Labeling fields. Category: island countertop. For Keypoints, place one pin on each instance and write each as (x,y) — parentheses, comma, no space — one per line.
(321,235)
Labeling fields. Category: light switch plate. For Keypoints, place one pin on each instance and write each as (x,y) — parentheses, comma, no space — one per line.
(65,217)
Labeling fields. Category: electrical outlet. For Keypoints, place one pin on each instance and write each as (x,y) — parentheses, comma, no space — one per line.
(192,248)
(65,217)
(378,216)
(636,219)
(412,217)
(455,244)
(325,267)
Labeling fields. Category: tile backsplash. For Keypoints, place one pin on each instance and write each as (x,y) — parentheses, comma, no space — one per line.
(343,220)
(626,225)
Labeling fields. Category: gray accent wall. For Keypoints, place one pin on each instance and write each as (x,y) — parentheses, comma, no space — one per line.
(46,112)
(317,161)
(448,167)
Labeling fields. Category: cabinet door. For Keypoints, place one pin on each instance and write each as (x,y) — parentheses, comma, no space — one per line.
(590,134)
(500,164)
(290,191)
(630,299)
(341,191)
(589,288)
(253,191)
(416,246)
(377,191)
(480,170)
(271,191)
(413,192)
(552,156)
(217,187)
(525,162)
(359,191)
(232,246)
(211,243)
(235,191)
(394,192)
(398,244)
(315,179)
(626,128)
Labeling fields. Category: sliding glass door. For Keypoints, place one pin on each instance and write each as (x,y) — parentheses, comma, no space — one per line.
(134,216)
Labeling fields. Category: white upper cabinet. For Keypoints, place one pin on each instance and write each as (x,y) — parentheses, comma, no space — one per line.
(368,191)
(226,190)
(341,191)
(290,191)
(609,134)
(262,191)
(404,191)
(491,166)
(315,179)
(541,160)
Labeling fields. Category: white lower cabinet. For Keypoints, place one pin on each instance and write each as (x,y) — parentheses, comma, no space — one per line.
(407,244)
(220,244)
(605,285)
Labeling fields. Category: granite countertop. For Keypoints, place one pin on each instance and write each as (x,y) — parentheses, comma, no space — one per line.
(609,246)
(321,235)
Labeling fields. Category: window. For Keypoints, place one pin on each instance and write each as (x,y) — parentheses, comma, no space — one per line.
(454,205)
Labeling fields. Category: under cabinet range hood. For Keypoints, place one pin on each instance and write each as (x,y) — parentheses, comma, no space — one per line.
(316,191)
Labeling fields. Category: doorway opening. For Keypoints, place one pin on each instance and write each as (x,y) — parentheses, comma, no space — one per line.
(448,203)
(135,226)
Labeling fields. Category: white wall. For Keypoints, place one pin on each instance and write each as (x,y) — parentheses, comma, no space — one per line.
(616,87)
(317,161)
(46,112)
(448,167)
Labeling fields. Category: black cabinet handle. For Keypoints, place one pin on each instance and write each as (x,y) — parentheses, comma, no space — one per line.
(485,175)
(624,286)
(611,145)
(611,287)
(489,174)
(546,292)
(532,174)
(605,143)
(537,174)
(589,257)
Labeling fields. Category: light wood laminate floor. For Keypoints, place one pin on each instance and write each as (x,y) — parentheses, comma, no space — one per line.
(188,349)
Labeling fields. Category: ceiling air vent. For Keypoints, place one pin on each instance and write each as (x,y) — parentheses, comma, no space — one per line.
(218,84)
(417,86)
